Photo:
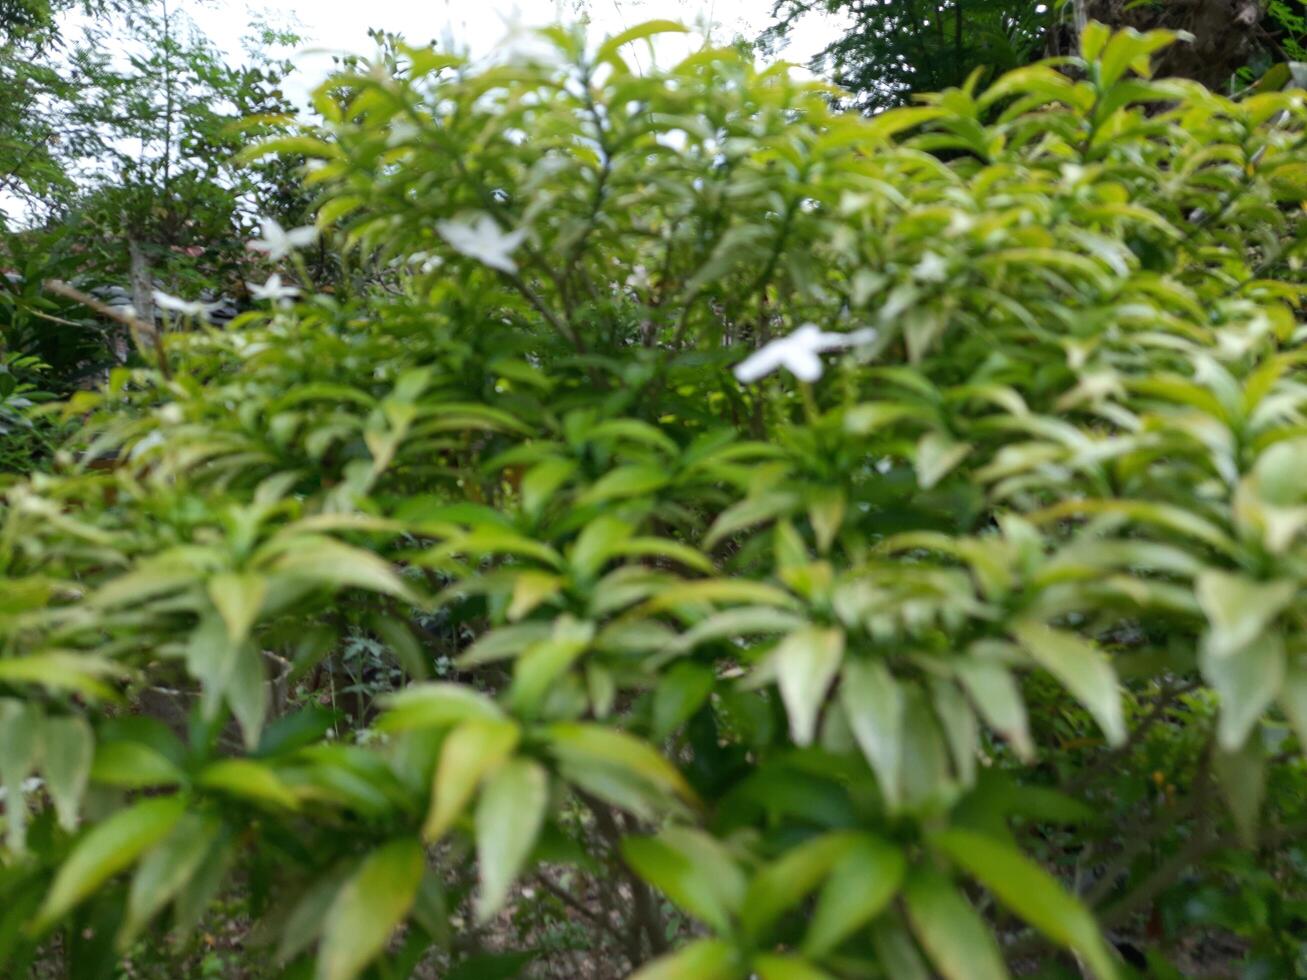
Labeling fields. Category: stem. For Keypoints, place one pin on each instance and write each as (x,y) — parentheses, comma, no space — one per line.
(563,330)
(646,918)
(810,411)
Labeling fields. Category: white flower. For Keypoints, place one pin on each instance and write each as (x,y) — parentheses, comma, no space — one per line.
(798,353)
(1072,173)
(931,268)
(638,279)
(402,131)
(482,239)
(424,261)
(175,304)
(524,45)
(277,242)
(960,223)
(274,290)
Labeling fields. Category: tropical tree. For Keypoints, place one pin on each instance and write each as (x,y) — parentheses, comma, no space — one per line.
(893,50)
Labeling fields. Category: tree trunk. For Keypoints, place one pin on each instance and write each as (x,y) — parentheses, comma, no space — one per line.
(1225,33)
(142,297)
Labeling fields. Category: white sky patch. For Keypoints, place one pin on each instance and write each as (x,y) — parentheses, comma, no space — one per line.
(334,26)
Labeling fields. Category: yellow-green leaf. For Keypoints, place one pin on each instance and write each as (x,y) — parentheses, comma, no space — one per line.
(508,820)
(1030,892)
(368,909)
(108,848)
(472,751)
(954,936)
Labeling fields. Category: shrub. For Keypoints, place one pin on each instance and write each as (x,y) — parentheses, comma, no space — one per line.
(969,628)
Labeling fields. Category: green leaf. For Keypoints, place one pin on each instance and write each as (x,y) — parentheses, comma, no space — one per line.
(994,692)
(396,634)
(702,959)
(896,951)
(874,706)
(1093,36)
(133,765)
(370,906)
(330,563)
(309,909)
(787,880)
(693,870)
(67,750)
(1247,682)
(679,694)
(164,871)
(1082,669)
(197,895)
(1241,774)
(20,726)
(861,885)
(472,751)
(750,511)
(238,599)
(663,548)
(737,622)
(826,510)
(958,723)
(720,590)
(247,693)
(597,544)
(504,643)
(806,663)
(106,849)
(578,742)
(435,705)
(1238,608)
(248,779)
(937,456)
(542,481)
(508,820)
(636,480)
(956,939)
(865,419)
(62,671)
(1030,892)
(530,589)
(927,780)
(541,664)
(650,28)
(1130,49)
(771,966)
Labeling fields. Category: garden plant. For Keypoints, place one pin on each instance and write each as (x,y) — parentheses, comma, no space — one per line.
(699,533)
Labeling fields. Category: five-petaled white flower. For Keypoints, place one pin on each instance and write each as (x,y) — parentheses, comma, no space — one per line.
(482,239)
(274,290)
(798,353)
(277,242)
(175,304)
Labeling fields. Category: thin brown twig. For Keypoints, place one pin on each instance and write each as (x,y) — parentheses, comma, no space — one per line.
(574,903)
(139,329)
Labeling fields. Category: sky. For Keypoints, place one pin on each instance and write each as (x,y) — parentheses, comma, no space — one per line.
(342,25)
